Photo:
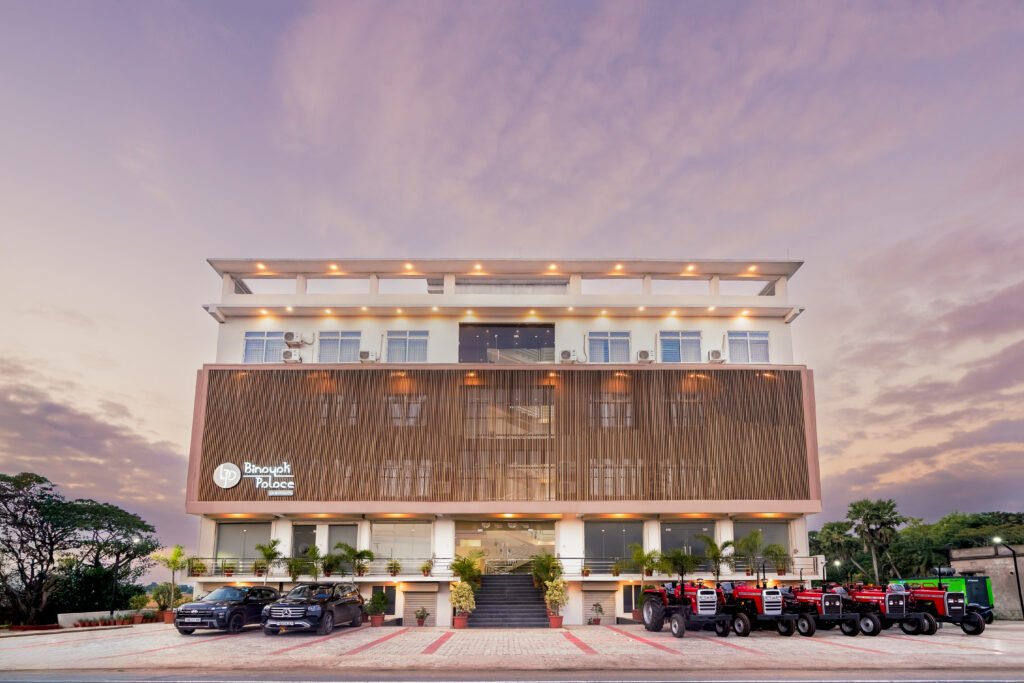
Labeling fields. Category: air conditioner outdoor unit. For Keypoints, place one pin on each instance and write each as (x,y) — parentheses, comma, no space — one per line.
(567,356)
(368,357)
(716,356)
(293,339)
(291,355)
(645,356)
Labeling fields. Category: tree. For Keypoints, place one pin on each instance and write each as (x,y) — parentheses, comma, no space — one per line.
(678,561)
(38,526)
(271,555)
(715,554)
(836,542)
(876,523)
(176,560)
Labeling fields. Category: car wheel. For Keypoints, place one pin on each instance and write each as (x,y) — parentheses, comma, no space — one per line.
(236,623)
(806,625)
(849,627)
(870,624)
(267,631)
(722,629)
(326,623)
(741,625)
(973,624)
(929,625)
(785,627)
(186,631)
(677,624)
(654,614)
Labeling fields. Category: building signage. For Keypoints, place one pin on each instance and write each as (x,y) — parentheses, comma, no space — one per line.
(276,480)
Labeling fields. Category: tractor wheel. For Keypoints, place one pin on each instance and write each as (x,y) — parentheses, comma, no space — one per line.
(973,624)
(654,614)
(989,618)
(886,624)
(785,628)
(722,629)
(849,627)
(870,624)
(827,626)
(677,624)
(806,625)
(928,625)
(912,628)
(741,625)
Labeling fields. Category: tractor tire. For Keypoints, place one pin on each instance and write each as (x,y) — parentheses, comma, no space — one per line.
(741,625)
(653,613)
(827,626)
(973,624)
(849,628)
(929,626)
(886,624)
(912,628)
(722,629)
(785,628)
(677,625)
(989,618)
(870,624)
(806,625)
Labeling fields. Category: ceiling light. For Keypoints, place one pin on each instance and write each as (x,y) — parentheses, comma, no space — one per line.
(398,311)
(553,266)
(552,374)
(618,266)
(327,311)
(470,374)
(533,312)
(263,311)
(672,312)
(365,308)
(434,309)
(478,267)
(604,312)
(744,312)
(260,266)
(752,268)
(690,268)
(469,312)
(570,308)
(711,308)
(289,309)
(408,266)
(641,308)
(334,266)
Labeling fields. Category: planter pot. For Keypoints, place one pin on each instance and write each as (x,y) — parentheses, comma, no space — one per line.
(615,572)
(376,620)
(555,621)
(596,621)
(648,572)
(169,616)
(259,572)
(460,620)
(229,572)
(421,622)
(586,572)
(393,573)
(750,572)
(366,617)
(136,618)
(637,616)
(780,570)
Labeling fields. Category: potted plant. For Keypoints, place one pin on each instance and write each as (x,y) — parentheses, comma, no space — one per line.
(556,595)
(196,567)
(376,608)
(329,564)
(296,566)
(645,562)
(749,549)
(585,571)
(421,616)
(164,595)
(467,568)
(427,567)
(464,602)
(271,556)
(715,554)
(356,559)
(394,567)
(617,567)
(313,560)
(149,616)
(259,567)
(777,555)
(546,567)
(175,560)
(138,603)
(228,567)
(598,612)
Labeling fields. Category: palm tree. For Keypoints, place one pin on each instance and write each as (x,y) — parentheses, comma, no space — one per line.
(175,560)
(876,522)
(749,549)
(835,541)
(354,557)
(271,555)
(678,561)
(715,554)
(313,558)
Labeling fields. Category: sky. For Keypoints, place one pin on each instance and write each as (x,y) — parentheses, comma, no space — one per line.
(881,143)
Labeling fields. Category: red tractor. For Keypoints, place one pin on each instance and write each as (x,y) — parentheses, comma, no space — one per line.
(757,606)
(879,608)
(685,606)
(939,605)
(820,608)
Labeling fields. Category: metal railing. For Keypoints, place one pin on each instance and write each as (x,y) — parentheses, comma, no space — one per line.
(229,567)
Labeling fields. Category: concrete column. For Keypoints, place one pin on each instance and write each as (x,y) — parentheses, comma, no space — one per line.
(444,544)
(723,533)
(300,285)
(227,289)
(443,608)
(781,288)
(207,537)
(575,285)
(647,287)
(322,538)
(713,288)
(798,544)
(449,284)
(282,529)
(569,544)
(572,613)
(652,535)
(374,285)
(363,535)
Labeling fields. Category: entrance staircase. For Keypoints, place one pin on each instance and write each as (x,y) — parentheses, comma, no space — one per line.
(509,601)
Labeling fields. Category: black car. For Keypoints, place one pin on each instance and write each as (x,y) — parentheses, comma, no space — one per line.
(314,607)
(229,609)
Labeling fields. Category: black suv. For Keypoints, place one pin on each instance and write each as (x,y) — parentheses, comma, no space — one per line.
(228,608)
(314,607)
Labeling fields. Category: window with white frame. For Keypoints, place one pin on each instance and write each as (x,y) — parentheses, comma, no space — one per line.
(748,347)
(263,347)
(680,347)
(608,347)
(407,346)
(339,347)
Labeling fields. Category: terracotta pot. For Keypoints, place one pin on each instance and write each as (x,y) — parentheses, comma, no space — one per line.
(586,572)
(648,572)
(637,616)
(229,572)
(780,570)
(259,572)
(327,572)
(615,572)
(421,622)
(376,620)
(393,573)
(596,621)
(136,618)
(169,616)
(426,572)
(460,620)
(555,620)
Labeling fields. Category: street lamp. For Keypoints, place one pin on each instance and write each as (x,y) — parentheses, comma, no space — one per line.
(1016,571)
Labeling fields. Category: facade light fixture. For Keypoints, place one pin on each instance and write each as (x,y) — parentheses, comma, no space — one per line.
(408,266)
(711,308)
(603,312)
(618,266)
(398,311)
(334,266)
(434,309)
(533,312)
(641,308)
(260,266)
(690,268)
(553,266)
(289,309)
(364,308)
(327,311)
(744,312)
(570,308)
(263,311)
(478,267)
(751,269)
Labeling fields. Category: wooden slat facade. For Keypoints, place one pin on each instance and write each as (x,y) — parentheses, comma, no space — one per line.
(486,433)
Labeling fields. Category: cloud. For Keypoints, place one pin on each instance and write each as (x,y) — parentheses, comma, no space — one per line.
(88,456)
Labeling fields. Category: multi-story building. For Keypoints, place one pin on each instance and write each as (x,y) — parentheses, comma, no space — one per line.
(423,409)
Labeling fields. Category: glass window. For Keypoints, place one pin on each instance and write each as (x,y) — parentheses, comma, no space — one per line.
(303,536)
(610,410)
(389,593)
(405,410)
(341,533)
(686,410)
(680,347)
(508,412)
(239,540)
(608,347)
(402,541)
(263,347)
(407,346)
(631,597)
(685,535)
(337,409)
(748,347)
(773,532)
(610,541)
(506,343)
(339,347)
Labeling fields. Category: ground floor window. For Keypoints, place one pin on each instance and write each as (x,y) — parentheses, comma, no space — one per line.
(402,541)
(303,536)
(631,597)
(605,543)
(239,540)
(772,532)
(342,533)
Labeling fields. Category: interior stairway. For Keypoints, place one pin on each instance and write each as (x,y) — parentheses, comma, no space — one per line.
(508,601)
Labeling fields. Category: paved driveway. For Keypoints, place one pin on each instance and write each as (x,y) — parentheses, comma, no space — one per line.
(158,646)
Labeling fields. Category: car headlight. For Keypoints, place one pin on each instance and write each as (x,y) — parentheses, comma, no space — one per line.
(220,608)
(266,609)
(314,609)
